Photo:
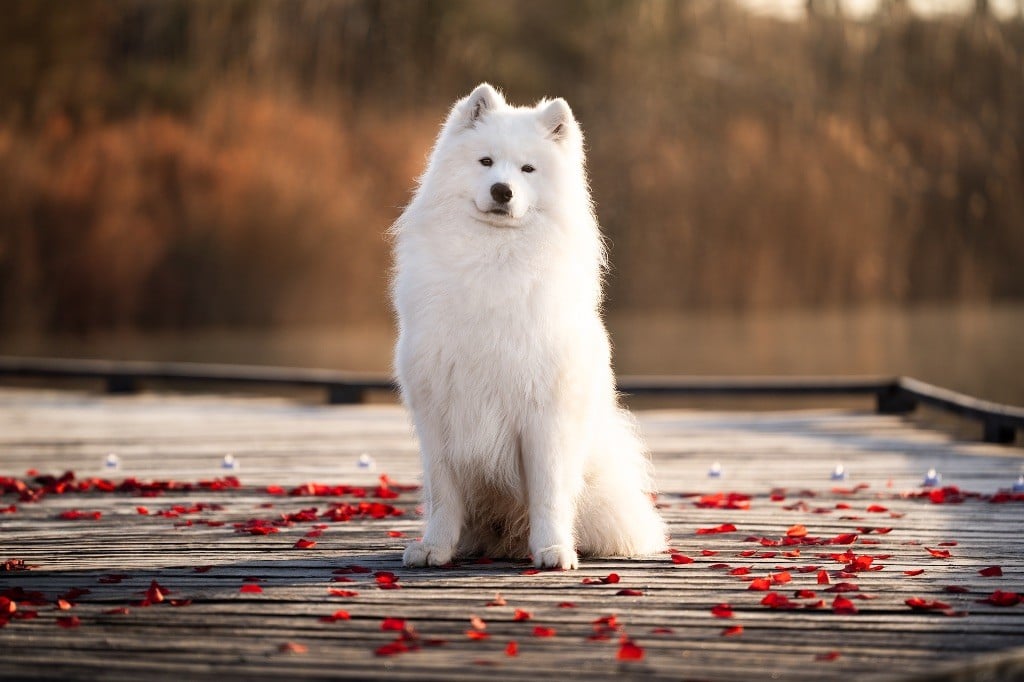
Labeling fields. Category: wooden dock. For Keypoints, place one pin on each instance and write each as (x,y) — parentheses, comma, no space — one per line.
(287,564)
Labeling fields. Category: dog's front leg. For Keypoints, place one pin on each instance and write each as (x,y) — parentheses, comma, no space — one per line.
(553,469)
(445,510)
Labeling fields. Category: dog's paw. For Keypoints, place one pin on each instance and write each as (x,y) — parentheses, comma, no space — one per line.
(425,554)
(556,556)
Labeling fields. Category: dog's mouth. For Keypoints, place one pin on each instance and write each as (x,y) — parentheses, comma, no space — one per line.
(495,215)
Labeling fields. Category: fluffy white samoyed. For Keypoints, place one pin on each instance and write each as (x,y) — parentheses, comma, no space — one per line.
(502,355)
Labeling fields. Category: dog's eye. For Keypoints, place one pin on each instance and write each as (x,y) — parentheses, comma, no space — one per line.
(527,168)
(486,161)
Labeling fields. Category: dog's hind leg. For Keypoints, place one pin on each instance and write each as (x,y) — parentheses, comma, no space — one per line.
(616,515)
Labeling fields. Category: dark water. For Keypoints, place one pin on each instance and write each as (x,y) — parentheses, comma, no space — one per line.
(978,350)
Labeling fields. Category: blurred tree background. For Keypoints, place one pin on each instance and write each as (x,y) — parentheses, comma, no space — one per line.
(179,164)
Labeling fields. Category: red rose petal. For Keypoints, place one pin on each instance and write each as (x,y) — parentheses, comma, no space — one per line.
(917,571)
(781,578)
(392,624)
(629,593)
(629,651)
(335,617)
(120,611)
(1000,598)
(302,543)
(681,559)
(940,553)
(384,578)
(844,587)
(293,648)
(156,593)
(843,605)
(521,615)
(566,605)
(610,579)
(991,572)
(722,611)
(512,649)
(342,593)
(797,531)
(774,600)
(392,648)
(919,604)
(829,656)
(251,588)
(724,528)
(760,584)
(539,631)
(732,631)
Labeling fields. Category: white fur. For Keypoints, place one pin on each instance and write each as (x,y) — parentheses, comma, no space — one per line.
(502,355)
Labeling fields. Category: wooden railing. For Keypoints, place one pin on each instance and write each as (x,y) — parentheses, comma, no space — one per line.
(893,395)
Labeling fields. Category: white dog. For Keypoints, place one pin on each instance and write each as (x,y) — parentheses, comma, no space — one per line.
(502,355)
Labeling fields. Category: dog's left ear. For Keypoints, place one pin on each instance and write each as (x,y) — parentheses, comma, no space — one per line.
(556,118)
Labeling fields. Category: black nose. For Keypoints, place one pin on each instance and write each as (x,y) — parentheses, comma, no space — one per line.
(501,192)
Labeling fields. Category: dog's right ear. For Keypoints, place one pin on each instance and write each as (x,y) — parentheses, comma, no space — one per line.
(483,99)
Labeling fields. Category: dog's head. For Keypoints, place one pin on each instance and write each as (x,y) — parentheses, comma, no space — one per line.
(508,164)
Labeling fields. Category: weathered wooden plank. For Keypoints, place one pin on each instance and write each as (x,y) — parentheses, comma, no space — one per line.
(224,632)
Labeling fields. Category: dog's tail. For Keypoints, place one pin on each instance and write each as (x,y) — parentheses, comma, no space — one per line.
(616,515)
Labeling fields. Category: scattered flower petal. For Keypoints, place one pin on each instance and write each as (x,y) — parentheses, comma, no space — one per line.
(843,605)
(724,528)
(629,651)
(797,531)
(1000,598)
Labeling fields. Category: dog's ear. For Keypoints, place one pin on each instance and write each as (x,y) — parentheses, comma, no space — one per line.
(483,99)
(556,118)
